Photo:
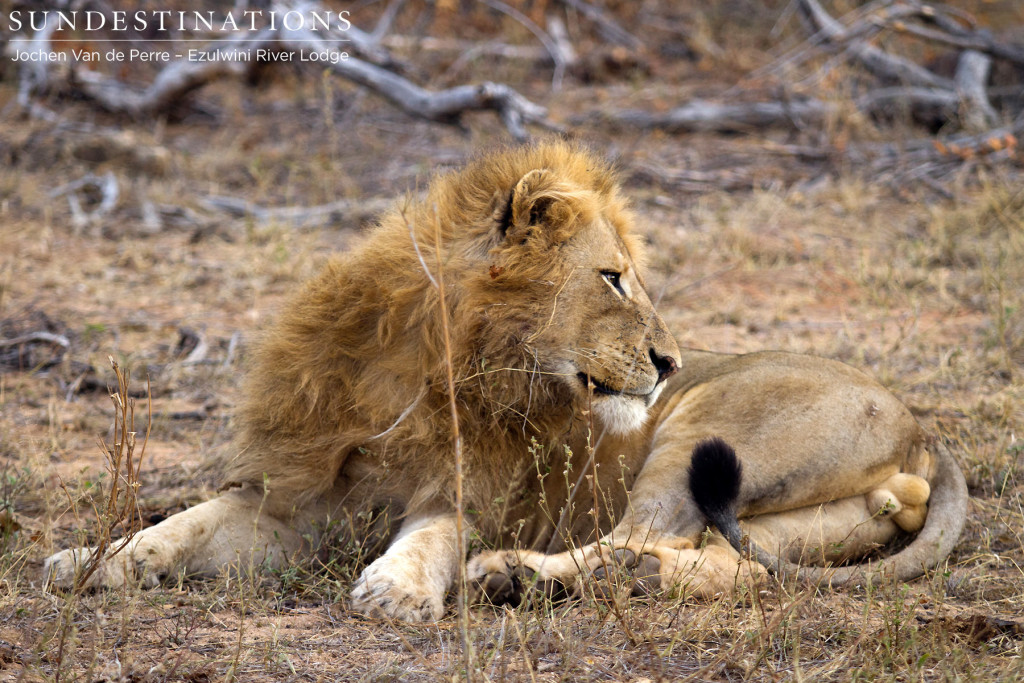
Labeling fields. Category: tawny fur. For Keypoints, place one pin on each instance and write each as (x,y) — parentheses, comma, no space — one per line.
(356,361)
(561,370)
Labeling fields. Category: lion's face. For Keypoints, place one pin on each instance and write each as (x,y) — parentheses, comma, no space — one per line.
(589,323)
(614,351)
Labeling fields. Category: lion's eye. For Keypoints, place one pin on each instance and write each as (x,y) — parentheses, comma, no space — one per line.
(613,278)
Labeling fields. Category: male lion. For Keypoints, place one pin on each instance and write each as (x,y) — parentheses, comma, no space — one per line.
(520,276)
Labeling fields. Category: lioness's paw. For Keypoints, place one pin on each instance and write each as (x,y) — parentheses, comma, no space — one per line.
(146,560)
(501,578)
(624,571)
(385,589)
(60,570)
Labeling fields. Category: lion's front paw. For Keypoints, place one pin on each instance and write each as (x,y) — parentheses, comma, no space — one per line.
(386,589)
(504,577)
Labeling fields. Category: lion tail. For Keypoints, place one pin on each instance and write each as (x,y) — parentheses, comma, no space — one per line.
(714,479)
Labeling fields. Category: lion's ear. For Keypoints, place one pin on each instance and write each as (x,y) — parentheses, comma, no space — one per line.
(527,205)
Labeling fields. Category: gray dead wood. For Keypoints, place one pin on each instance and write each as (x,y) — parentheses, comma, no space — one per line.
(180,77)
(704,115)
(951,32)
(835,36)
(445,106)
(606,26)
(34,75)
(298,216)
(48,337)
(469,47)
(173,81)
(109,192)
(971,77)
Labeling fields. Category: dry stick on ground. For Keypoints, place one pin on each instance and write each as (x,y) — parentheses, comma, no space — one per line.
(953,33)
(704,115)
(58,339)
(182,76)
(605,24)
(298,216)
(970,79)
(835,36)
(546,40)
(109,192)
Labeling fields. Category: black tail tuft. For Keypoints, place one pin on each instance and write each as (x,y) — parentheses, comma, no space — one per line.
(715,476)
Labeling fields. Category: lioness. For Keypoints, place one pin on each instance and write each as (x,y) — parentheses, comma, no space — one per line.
(575,409)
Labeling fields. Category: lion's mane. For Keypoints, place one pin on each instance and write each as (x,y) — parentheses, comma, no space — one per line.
(357,359)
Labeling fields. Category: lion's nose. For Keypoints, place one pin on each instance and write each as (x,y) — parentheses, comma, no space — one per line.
(665,365)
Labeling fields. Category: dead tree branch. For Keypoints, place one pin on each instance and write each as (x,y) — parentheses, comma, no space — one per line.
(48,337)
(608,28)
(298,216)
(236,56)
(835,36)
(950,32)
(106,186)
(970,79)
(175,80)
(704,115)
(546,40)
(445,106)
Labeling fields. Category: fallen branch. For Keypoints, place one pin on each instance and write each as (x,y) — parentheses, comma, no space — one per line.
(951,32)
(970,79)
(236,56)
(606,26)
(48,337)
(108,189)
(298,216)
(34,75)
(689,180)
(704,115)
(834,35)
(546,40)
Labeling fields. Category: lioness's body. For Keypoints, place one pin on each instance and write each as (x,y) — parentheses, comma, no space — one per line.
(561,368)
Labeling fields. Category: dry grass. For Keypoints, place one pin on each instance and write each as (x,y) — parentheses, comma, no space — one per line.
(926,295)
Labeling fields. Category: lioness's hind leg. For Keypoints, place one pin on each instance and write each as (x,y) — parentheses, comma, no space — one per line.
(232,530)
(903,497)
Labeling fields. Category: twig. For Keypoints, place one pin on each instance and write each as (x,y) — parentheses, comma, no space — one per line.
(605,25)
(58,339)
(386,20)
(541,35)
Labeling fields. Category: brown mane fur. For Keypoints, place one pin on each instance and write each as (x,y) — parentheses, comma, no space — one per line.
(356,360)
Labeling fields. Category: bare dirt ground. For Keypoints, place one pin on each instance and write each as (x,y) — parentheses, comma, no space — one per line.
(925,293)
